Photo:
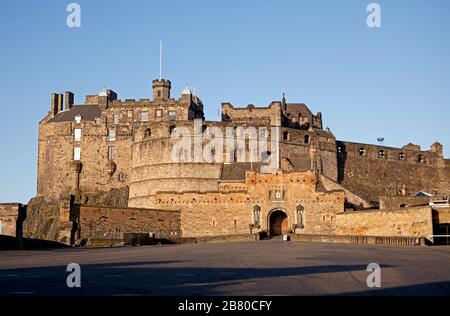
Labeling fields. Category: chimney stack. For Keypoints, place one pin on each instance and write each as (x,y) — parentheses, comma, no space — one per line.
(69,100)
(60,102)
(54,108)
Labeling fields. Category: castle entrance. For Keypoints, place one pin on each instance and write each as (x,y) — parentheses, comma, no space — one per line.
(278,222)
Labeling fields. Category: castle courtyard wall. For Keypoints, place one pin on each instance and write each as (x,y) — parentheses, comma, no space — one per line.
(108,222)
(410,222)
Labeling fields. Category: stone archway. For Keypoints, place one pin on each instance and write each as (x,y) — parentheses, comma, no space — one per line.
(278,223)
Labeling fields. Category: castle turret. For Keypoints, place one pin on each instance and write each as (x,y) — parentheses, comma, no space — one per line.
(161,89)
(438,149)
(186,96)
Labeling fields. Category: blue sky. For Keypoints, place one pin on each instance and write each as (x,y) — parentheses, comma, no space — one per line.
(392,82)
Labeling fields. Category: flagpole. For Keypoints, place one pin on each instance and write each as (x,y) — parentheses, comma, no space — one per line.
(160,60)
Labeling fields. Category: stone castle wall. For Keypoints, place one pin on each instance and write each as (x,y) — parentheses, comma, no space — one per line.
(371,177)
(231,213)
(112,223)
(410,222)
(153,168)
(11,218)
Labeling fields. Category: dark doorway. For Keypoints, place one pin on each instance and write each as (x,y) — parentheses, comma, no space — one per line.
(278,223)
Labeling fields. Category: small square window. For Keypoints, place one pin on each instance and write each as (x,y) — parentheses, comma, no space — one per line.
(263,132)
(130,114)
(159,113)
(78,119)
(144,116)
(172,116)
(97,120)
(77,134)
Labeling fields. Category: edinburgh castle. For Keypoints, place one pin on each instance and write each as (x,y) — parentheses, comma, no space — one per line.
(106,172)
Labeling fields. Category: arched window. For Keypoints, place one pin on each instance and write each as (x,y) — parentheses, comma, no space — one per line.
(122,177)
(148,132)
(401,156)
(257,215)
(300,212)
(362,151)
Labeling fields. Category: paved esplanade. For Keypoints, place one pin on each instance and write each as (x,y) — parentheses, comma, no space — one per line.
(259,268)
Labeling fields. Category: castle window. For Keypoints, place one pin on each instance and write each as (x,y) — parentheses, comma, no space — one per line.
(285,136)
(263,132)
(78,119)
(97,120)
(116,119)
(77,134)
(362,151)
(77,153)
(257,215)
(306,139)
(401,156)
(111,153)
(148,132)
(112,135)
(171,129)
(300,212)
(420,158)
(159,93)
(144,116)
(172,116)
(122,177)
(381,154)
(159,113)
(130,114)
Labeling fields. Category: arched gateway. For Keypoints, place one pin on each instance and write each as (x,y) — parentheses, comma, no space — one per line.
(278,223)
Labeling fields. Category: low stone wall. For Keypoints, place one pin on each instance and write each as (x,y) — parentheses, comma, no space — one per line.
(213,239)
(409,222)
(369,240)
(11,218)
(112,223)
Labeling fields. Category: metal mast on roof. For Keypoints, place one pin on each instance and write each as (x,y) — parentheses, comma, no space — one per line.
(160,59)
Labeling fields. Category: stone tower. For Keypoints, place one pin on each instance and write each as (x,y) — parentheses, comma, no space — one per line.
(161,89)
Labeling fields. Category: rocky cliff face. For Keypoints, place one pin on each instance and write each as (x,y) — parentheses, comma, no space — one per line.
(113,198)
(42,218)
